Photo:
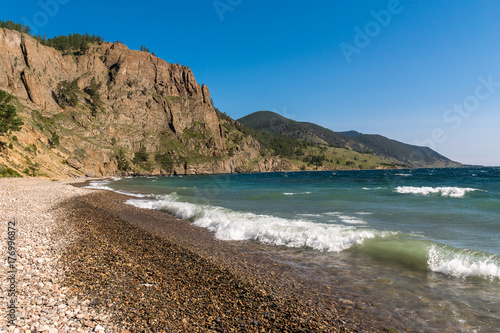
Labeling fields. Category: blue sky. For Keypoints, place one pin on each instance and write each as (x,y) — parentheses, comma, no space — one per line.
(420,72)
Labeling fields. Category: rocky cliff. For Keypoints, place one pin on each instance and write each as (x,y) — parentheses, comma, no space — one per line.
(125,102)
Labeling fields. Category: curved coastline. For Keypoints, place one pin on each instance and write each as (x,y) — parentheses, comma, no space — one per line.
(89,262)
(292,302)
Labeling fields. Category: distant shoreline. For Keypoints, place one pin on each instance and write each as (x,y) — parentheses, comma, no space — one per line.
(87,179)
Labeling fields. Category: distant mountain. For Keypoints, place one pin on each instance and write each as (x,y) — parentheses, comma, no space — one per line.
(350,133)
(272,122)
(389,150)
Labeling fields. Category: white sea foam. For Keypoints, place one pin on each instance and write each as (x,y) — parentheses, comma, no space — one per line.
(310,215)
(454,192)
(404,174)
(351,220)
(104,185)
(227,224)
(463,264)
(290,193)
(348,219)
(100,185)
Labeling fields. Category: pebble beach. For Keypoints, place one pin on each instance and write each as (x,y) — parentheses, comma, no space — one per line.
(42,302)
(83,261)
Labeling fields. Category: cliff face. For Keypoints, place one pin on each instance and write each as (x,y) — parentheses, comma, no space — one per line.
(144,102)
(131,78)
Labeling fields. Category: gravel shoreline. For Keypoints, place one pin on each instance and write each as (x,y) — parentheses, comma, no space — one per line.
(87,262)
(40,239)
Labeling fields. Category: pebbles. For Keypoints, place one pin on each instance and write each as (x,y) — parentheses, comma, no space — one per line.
(152,284)
(83,267)
(40,241)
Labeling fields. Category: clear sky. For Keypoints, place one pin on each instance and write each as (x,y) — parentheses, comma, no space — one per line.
(421,72)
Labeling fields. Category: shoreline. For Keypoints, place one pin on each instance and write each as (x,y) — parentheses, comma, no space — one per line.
(87,179)
(144,270)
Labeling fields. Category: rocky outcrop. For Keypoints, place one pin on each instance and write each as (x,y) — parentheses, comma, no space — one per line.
(74,163)
(30,85)
(129,79)
(144,102)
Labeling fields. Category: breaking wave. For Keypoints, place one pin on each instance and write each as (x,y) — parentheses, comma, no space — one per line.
(464,263)
(227,224)
(454,192)
(104,185)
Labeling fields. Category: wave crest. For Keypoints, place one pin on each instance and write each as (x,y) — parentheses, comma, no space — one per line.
(104,185)
(227,224)
(464,263)
(454,192)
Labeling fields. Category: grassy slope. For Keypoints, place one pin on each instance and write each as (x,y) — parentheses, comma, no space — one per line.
(390,151)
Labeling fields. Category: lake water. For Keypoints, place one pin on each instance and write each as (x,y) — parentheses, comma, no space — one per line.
(422,245)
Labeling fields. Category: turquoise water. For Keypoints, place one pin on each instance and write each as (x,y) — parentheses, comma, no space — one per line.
(422,245)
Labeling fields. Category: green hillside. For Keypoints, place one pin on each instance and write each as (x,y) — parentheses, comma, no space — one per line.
(391,151)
